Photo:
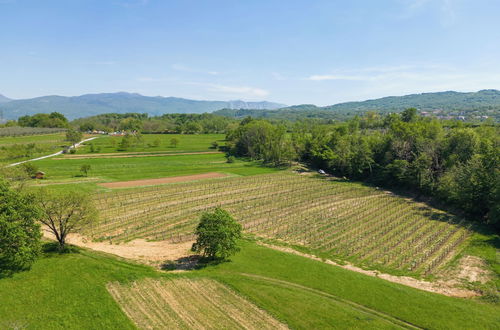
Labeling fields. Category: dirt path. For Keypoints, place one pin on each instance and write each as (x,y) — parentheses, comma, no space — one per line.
(135,154)
(151,253)
(436,287)
(151,182)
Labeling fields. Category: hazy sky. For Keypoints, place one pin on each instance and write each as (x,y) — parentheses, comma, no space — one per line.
(320,52)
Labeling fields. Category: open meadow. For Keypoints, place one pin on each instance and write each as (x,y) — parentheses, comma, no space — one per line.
(154,143)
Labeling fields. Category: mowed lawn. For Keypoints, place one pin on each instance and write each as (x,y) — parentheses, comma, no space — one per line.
(134,168)
(69,292)
(156,143)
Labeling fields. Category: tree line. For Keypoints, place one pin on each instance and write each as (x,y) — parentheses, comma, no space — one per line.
(167,123)
(451,161)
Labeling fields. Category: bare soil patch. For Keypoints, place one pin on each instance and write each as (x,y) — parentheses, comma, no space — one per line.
(470,269)
(473,269)
(189,304)
(151,253)
(135,154)
(437,287)
(151,182)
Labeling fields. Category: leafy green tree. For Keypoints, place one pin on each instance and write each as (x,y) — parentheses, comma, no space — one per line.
(409,115)
(217,234)
(192,128)
(19,230)
(74,136)
(125,143)
(30,168)
(214,145)
(54,119)
(66,212)
(85,168)
(86,126)
(174,142)
(131,124)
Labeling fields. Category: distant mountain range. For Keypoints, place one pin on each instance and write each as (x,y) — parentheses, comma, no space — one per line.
(444,104)
(484,102)
(427,101)
(4,99)
(94,104)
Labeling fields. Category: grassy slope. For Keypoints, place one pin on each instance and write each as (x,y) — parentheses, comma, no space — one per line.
(187,143)
(68,291)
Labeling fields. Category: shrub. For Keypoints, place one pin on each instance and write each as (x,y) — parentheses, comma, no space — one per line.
(29,168)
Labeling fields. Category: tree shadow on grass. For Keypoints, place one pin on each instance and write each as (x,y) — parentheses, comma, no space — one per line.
(193,262)
(53,249)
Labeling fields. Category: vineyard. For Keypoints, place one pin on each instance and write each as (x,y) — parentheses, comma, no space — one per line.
(340,219)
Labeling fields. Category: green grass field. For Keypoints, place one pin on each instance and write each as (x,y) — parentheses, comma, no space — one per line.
(12,147)
(42,139)
(156,143)
(68,291)
(134,168)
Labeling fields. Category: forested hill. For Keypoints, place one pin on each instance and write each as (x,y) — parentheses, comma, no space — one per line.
(94,104)
(484,99)
(452,105)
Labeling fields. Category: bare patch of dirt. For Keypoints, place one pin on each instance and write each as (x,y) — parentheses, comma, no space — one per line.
(151,253)
(470,269)
(151,182)
(135,154)
(437,287)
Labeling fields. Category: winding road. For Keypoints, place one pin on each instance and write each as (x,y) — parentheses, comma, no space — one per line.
(52,155)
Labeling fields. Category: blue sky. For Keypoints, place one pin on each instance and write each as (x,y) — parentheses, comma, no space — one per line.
(287,51)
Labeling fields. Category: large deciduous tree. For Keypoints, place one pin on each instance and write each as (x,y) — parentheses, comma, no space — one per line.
(217,234)
(74,136)
(64,213)
(19,230)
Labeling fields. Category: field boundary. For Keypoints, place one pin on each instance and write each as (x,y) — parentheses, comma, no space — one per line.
(172,179)
(137,154)
(439,287)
